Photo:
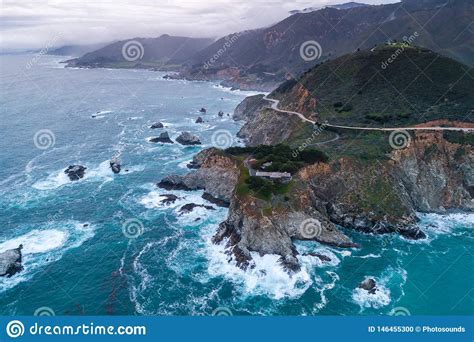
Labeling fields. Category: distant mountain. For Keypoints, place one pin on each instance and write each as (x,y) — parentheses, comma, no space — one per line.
(263,58)
(374,88)
(347,5)
(75,50)
(163,52)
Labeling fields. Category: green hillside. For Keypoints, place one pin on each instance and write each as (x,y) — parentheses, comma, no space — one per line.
(391,85)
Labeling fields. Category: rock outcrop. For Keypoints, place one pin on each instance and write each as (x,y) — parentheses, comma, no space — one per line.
(75,172)
(262,125)
(163,138)
(157,125)
(217,201)
(199,120)
(186,138)
(10,262)
(168,199)
(217,175)
(187,208)
(436,175)
(115,165)
(369,285)
(269,227)
(199,158)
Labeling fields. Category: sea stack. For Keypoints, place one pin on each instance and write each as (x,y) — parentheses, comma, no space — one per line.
(157,125)
(10,262)
(75,172)
(187,138)
(369,285)
(115,165)
(163,138)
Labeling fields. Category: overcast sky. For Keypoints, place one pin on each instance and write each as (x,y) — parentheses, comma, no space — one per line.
(26,24)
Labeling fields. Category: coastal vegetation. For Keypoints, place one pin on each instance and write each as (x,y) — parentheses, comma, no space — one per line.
(276,158)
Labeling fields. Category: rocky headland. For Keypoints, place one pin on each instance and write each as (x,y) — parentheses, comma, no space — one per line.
(341,179)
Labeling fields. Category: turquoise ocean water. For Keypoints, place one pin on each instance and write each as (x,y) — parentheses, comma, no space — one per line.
(79,261)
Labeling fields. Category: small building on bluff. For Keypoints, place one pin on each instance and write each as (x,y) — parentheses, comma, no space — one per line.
(279,176)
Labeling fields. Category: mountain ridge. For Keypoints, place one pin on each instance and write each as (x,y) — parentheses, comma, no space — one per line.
(163,52)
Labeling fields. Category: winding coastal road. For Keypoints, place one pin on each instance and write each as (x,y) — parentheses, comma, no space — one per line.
(275,103)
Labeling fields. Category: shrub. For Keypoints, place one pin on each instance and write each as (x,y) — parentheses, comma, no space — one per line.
(260,186)
(311,156)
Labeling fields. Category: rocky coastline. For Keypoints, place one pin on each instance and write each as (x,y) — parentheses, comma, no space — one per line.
(372,198)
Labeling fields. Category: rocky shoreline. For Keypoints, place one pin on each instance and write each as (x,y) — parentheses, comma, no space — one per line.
(380,198)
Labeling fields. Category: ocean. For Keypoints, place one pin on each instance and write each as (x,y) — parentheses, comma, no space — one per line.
(106,245)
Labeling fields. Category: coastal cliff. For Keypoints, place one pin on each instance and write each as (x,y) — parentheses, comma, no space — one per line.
(371,197)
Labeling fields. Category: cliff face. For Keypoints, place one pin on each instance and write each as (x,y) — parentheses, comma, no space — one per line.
(436,175)
(262,125)
(255,225)
(216,174)
(380,197)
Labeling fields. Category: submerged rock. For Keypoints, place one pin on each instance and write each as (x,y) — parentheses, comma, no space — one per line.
(369,285)
(169,199)
(157,125)
(186,138)
(115,165)
(290,264)
(10,262)
(217,201)
(75,172)
(175,182)
(187,208)
(321,257)
(162,138)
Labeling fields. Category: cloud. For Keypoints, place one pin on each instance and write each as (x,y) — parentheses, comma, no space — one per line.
(34,24)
